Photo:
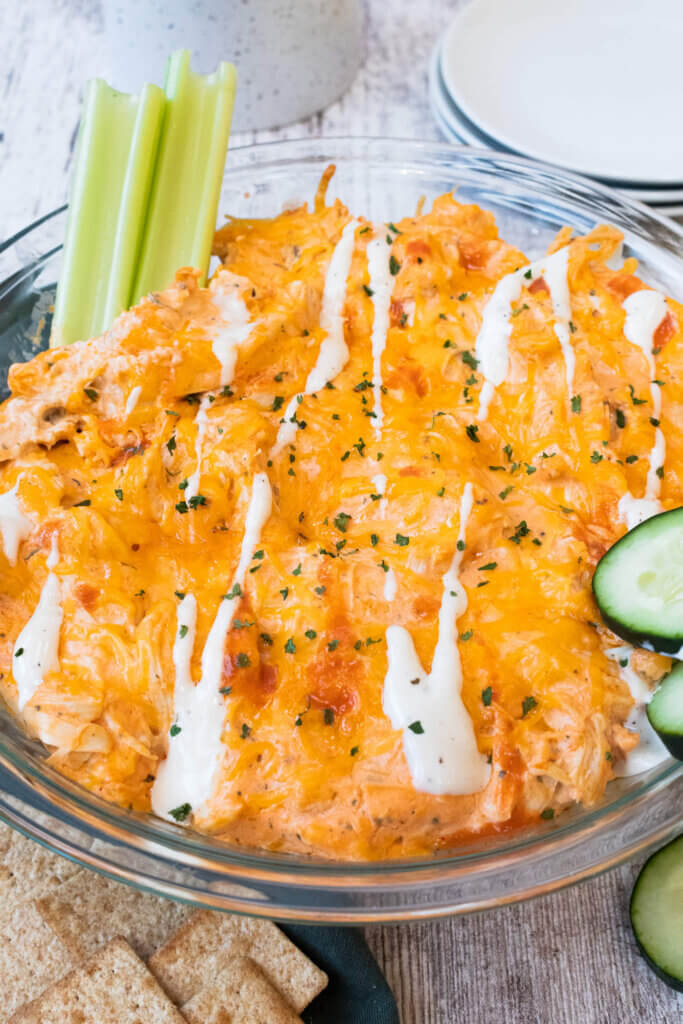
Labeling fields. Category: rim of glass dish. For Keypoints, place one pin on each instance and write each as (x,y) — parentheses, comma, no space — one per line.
(181,847)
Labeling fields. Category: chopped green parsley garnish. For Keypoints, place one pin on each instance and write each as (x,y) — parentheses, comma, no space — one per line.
(621,418)
(353,751)
(472,430)
(267,638)
(182,812)
(310,634)
(84,503)
(576,403)
(401,540)
(278,402)
(183,631)
(297,571)
(91,393)
(243,660)
(504,493)
(333,645)
(596,457)
(341,521)
(394,265)
(487,696)
(464,637)
(119,493)
(174,730)
(235,591)
(489,567)
(320,590)
(416,727)
(521,531)
(548,814)
(368,290)
(290,646)
(328,716)
(528,704)
(374,539)
(246,729)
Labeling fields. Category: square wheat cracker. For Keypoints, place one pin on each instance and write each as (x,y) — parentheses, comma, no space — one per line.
(206,943)
(31,957)
(89,910)
(113,987)
(28,870)
(239,994)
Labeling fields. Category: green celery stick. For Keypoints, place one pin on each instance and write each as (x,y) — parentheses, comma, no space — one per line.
(183,205)
(115,159)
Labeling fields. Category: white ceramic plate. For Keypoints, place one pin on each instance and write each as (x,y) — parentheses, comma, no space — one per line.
(455,127)
(591,85)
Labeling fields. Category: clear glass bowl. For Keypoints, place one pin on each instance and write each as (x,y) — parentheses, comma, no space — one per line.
(382,179)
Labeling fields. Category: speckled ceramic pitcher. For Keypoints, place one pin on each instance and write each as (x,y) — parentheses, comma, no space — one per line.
(293,56)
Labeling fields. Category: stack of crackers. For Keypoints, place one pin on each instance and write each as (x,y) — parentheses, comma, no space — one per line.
(77,948)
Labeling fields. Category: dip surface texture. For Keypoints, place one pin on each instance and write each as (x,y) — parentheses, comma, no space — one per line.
(330,526)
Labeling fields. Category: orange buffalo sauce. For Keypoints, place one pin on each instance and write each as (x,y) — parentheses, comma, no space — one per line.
(144,496)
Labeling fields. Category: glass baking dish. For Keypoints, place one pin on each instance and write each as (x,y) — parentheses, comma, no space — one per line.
(382,179)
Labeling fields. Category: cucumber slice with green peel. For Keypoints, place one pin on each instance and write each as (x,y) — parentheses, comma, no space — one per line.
(665,712)
(638,584)
(657,913)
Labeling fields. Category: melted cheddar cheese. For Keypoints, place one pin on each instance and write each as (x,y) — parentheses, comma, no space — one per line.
(329,525)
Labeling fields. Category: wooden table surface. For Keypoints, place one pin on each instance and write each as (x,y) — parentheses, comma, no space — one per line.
(567,958)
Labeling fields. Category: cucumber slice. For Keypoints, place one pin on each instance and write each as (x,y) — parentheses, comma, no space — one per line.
(665,712)
(638,584)
(657,912)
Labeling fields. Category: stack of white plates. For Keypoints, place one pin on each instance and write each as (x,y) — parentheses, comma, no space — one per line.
(593,86)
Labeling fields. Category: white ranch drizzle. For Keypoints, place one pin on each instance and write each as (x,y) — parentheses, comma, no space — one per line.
(493,339)
(14,525)
(379,482)
(201,422)
(390,585)
(234,325)
(381,285)
(645,311)
(334,351)
(36,650)
(194,753)
(443,757)
(650,750)
(132,400)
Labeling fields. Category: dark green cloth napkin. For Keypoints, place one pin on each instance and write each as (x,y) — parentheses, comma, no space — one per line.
(357,992)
